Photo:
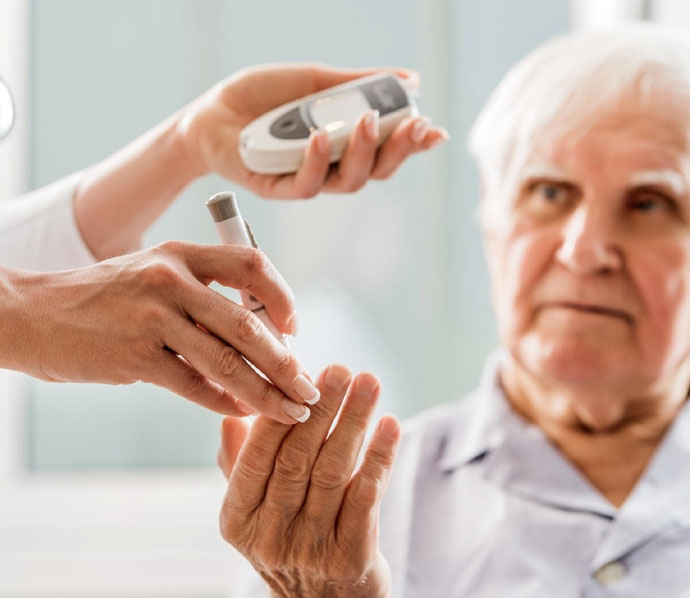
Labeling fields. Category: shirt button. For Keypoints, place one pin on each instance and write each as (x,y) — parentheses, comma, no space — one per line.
(610,573)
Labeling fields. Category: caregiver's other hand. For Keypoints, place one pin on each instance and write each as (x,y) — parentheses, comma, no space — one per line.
(293,506)
(212,124)
(150,316)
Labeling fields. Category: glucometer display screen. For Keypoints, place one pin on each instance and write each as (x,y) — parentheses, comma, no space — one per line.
(331,113)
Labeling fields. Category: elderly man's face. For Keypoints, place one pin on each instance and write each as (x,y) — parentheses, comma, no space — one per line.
(591,269)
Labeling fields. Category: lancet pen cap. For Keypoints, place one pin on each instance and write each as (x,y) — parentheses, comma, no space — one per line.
(223,206)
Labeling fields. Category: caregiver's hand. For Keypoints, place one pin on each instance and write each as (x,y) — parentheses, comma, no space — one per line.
(212,125)
(293,507)
(150,316)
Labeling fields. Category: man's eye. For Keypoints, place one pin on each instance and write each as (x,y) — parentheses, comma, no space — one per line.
(551,193)
(649,203)
(546,199)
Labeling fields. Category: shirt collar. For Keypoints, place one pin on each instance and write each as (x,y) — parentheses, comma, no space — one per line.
(518,455)
(515,453)
(487,423)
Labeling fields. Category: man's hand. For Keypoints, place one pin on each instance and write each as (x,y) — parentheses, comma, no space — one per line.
(150,316)
(212,125)
(293,506)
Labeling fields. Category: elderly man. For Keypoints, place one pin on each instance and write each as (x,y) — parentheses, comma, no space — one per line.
(567,472)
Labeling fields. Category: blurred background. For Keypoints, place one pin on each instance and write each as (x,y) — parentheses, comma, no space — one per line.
(113,491)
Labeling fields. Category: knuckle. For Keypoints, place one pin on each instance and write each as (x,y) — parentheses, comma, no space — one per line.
(256,261)
(160,275)
(329,477)
(194,384)
(151,317)
(367,490)
(230,363)
(292,465)
(248,327)
(172,247)
(286,364)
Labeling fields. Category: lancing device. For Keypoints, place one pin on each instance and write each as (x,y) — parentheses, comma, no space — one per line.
(275,142)
(233,230)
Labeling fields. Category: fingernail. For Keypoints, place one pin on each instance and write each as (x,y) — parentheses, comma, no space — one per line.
(336,378)
(295,411)
(321,141)
(445,135)
(388,427)
(367,385)
(371,124)
(419,129)
(293,324)
(306,389)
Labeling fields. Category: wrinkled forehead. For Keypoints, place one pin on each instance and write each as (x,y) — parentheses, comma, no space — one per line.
(653,134)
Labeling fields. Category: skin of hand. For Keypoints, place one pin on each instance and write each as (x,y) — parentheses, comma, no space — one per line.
(293,506)
(122,196)
(151,316)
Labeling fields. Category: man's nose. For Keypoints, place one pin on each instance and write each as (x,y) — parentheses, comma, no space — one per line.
(588,245)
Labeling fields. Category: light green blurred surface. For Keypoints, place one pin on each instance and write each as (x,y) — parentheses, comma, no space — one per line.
(391,279)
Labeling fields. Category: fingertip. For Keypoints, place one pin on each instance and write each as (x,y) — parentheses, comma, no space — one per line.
(370,123)
(419,129)
(411,76)
(336,377)
(319,141)
(368,384)
(389,427)
(292,325)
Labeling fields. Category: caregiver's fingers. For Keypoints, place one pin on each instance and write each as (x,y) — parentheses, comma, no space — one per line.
(307,182)
(356,163)
(244,331)
(222,363)
(176,375)
(242,268)
(412,135)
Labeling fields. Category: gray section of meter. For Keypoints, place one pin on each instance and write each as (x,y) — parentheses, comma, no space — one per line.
(385,95)
(294,124)
(223,206)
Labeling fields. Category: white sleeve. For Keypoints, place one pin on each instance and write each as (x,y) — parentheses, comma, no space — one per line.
(38,230)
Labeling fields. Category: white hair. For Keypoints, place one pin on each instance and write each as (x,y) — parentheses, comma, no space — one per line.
(568,83)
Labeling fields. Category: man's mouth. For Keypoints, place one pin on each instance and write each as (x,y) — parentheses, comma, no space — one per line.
(591,308)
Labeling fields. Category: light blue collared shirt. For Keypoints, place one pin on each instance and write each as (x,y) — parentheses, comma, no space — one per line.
(482,505)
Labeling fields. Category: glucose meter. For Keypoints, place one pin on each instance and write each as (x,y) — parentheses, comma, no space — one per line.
(275,142)
(6,109)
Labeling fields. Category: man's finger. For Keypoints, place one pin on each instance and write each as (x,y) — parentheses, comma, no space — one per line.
(254,464)
(291,473)
(359,512)
(233,433)
(333,469)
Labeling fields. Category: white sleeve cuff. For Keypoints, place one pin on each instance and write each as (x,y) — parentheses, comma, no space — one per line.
(38,230)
